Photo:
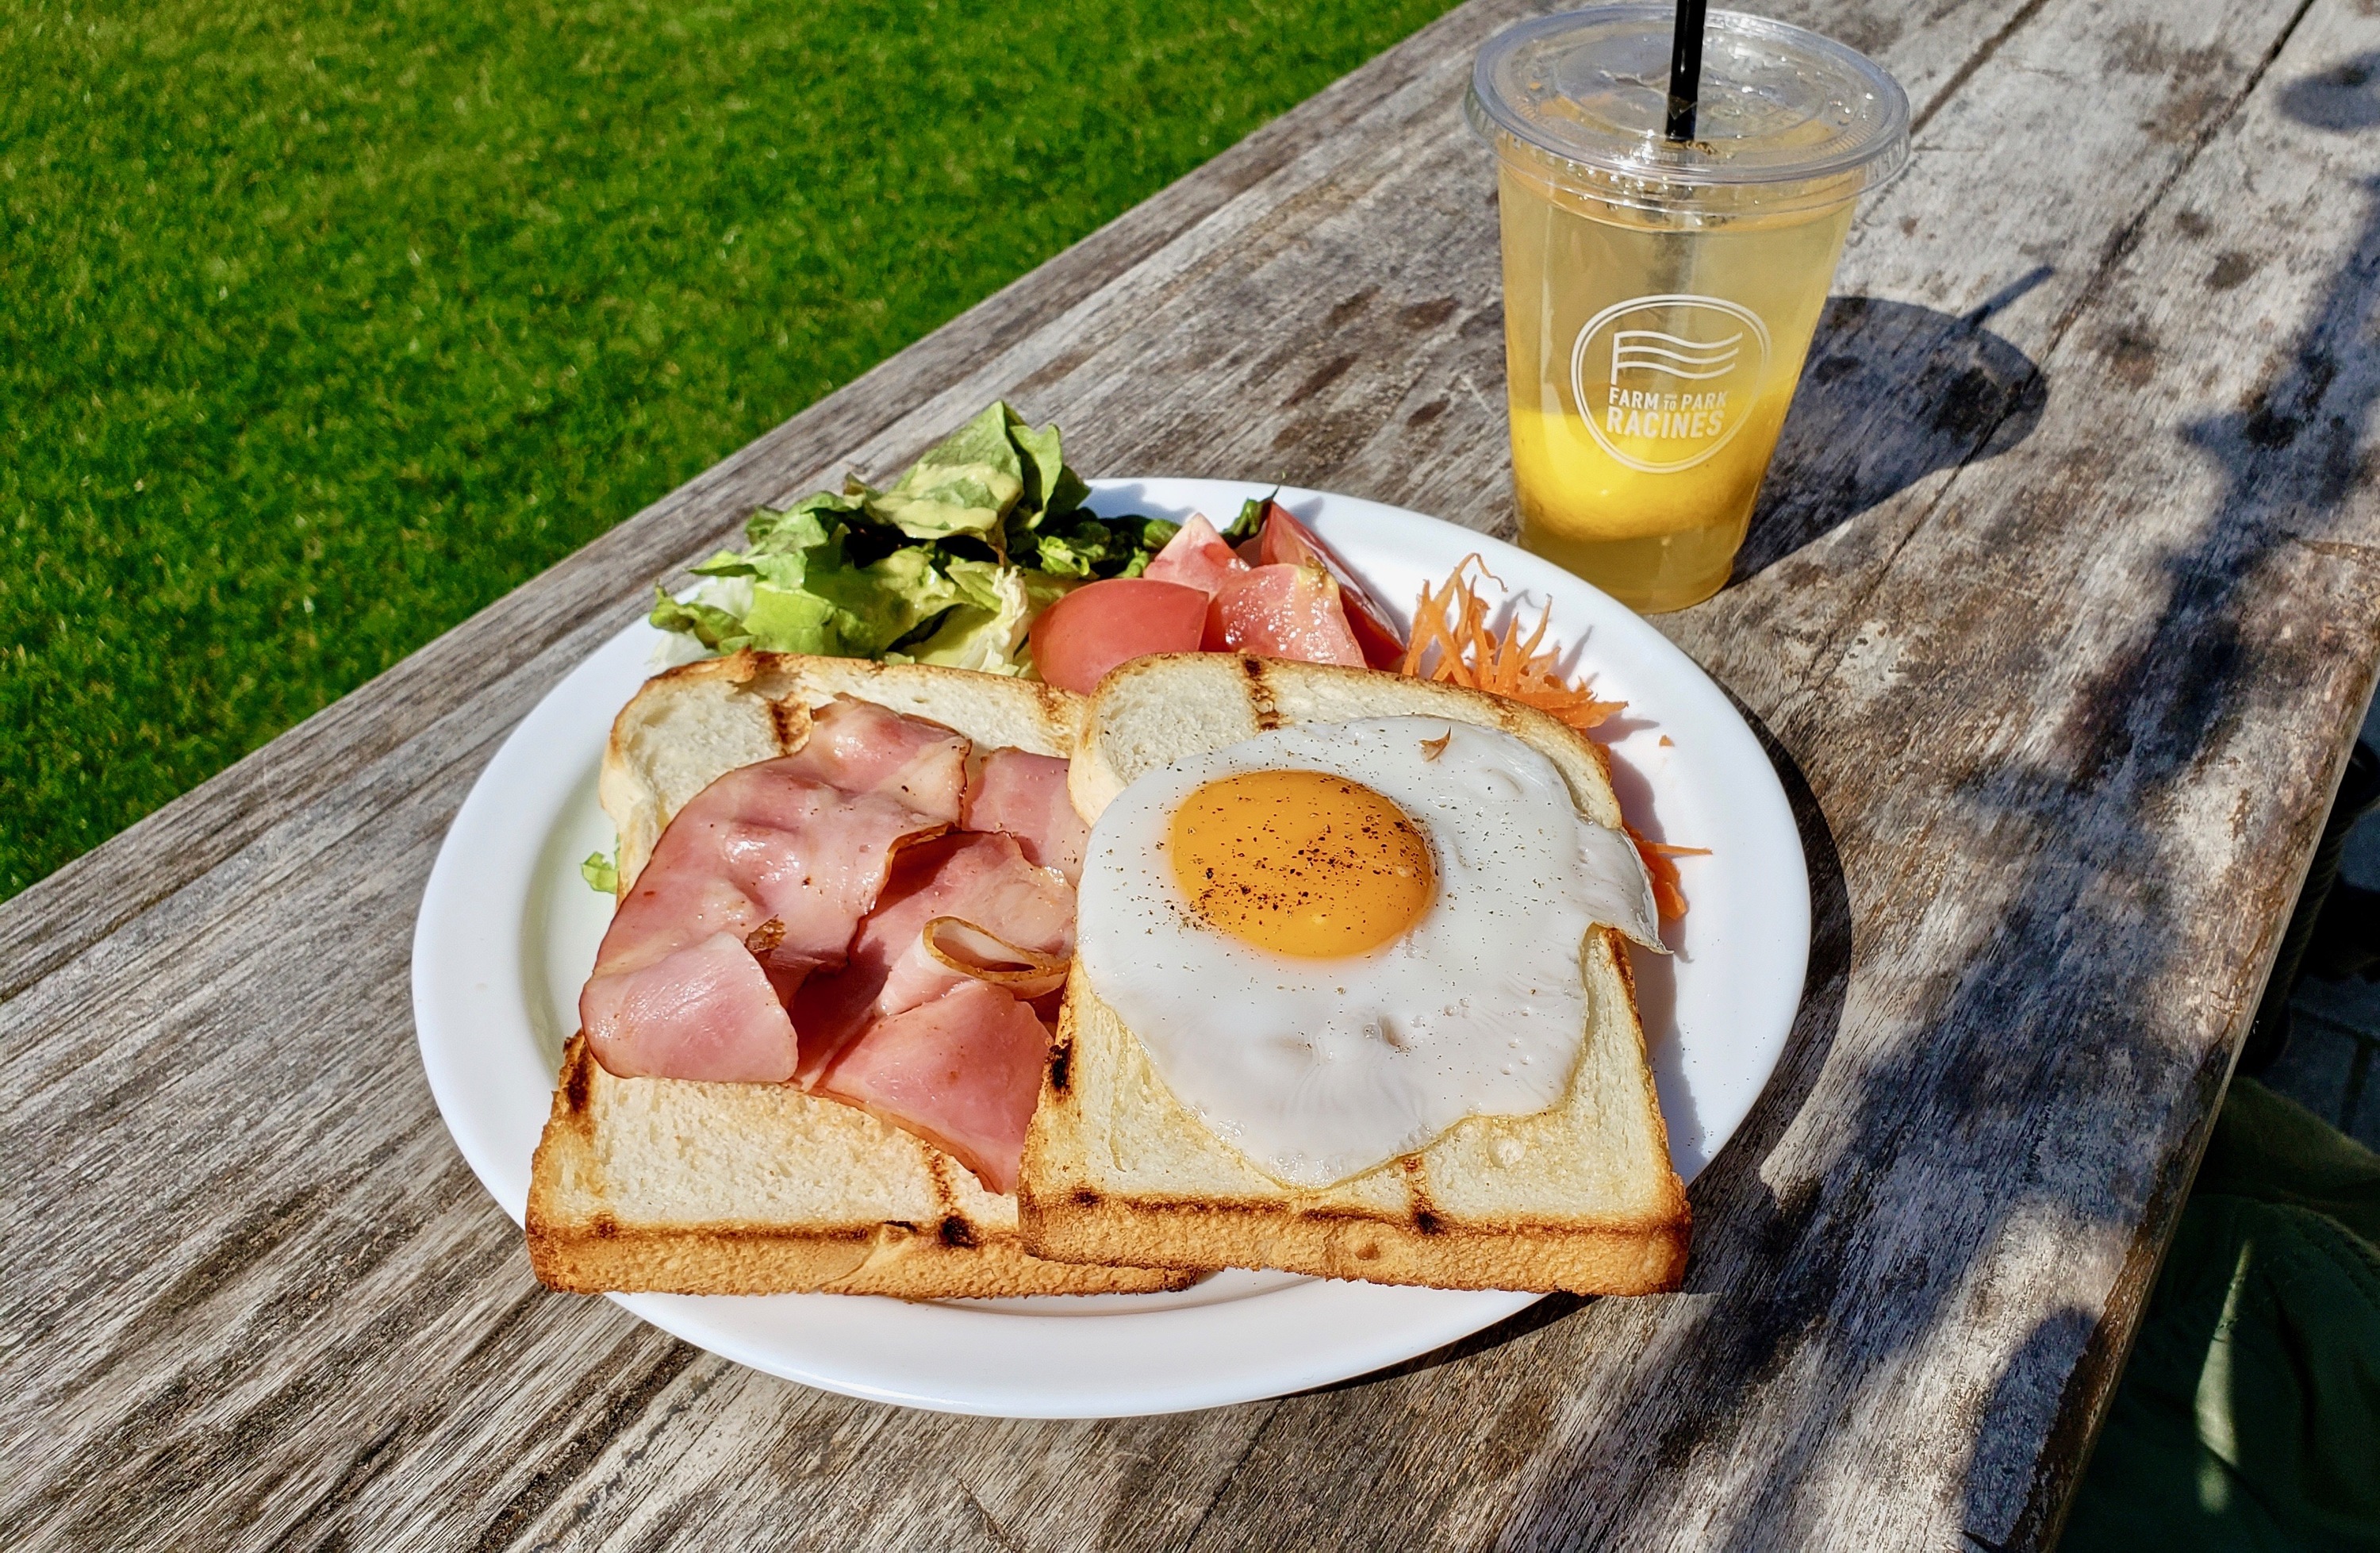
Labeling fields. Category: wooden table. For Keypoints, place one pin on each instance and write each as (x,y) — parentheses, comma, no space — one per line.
(2058,613)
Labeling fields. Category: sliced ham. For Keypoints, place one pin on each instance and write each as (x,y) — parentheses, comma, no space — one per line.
(704,1011)
(819,894)
(983,881)
(1282,611)
(1099,624)
(963,1071)
(769,859)
(1195,558)
(860,747)
(764,843)
(1025,795)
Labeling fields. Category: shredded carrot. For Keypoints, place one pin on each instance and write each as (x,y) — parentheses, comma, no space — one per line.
(1452,621)
(1668,889)
(1453,618)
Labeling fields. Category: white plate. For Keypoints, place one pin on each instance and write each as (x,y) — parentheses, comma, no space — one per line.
(508,931)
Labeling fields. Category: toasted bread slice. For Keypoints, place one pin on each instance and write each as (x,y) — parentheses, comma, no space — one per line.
(760,1189)
(1580,1197)
(749,1189)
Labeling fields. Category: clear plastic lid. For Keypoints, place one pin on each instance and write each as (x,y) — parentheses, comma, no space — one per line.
(1785,117)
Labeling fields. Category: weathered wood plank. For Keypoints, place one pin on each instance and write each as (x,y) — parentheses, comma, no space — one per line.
(2004,905)
(2064,718)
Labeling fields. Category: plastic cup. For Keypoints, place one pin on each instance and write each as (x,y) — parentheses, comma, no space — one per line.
(1660,296)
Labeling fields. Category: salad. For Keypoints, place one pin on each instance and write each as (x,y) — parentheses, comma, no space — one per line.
(950,564)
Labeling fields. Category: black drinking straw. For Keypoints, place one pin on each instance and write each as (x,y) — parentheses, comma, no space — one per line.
(1686,69)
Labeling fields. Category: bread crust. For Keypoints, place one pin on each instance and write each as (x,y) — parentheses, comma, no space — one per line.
(582,1239)
(1395,1224)
(690,724)
(1114,1165)
(1547,1258)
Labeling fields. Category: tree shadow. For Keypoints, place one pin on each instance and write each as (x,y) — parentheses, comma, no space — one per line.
(1987,1124)
(1890,393)
(2290,454)
(2344,98)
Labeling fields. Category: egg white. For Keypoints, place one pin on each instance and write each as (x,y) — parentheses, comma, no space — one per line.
(1321,1069)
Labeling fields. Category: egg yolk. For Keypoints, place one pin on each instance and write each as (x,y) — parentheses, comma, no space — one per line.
(1301,861)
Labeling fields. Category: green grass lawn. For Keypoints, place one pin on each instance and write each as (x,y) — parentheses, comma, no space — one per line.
(323,324)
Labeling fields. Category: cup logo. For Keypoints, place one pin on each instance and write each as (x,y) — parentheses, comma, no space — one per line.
(1666,382)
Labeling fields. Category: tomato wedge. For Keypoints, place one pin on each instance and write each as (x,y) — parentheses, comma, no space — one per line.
(1196,557)
(1098,625)
(1282,612)
(1285,540)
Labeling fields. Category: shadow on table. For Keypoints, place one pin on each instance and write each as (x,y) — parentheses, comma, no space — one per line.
(2293,453)
(1791,1282)
(1890,393)
(2344,98)
(1788,1279)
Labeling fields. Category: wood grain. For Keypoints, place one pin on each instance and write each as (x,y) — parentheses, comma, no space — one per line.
(2056,617)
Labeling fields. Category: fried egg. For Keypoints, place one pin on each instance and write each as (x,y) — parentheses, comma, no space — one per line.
(1337,940)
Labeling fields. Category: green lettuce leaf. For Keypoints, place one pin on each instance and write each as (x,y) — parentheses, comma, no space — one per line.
(601,874)
(784,571)
(1086,545)
(950,564)
(986,439)
(965,484)
(1067,556)
(790,621)
(981,584)
(1154,532)
(802,526)
(811,601)
(937,501)
(988,632)
(713,627)
(871,608)
(1050,488)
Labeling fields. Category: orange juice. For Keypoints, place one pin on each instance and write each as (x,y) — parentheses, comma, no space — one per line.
(1649,371)
(1660,294)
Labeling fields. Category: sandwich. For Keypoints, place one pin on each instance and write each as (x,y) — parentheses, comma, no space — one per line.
(938,983)
(1351,992)
(881,855)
